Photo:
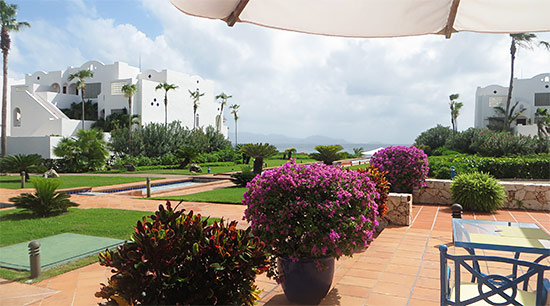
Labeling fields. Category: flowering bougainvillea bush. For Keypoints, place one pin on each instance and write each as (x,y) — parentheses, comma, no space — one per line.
(406,167)
(382,187)
(311,211)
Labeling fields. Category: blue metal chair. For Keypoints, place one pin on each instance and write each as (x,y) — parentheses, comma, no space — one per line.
(490,289)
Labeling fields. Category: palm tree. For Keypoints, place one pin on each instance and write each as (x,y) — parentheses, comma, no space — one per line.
(512,115)
(195,95)
(289,152)
(234,109)
(358,152)
(22,162)
(129,90)
(522,40)
(167,87)
(328,154)
(542,119)
(455,110)
(223,102)
(80,84)
(8,13)
(259,151)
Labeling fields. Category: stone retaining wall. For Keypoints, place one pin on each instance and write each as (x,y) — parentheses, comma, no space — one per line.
(399,209)
(535,196)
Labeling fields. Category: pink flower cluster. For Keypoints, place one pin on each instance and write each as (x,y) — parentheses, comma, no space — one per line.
(312,210)
(407,167)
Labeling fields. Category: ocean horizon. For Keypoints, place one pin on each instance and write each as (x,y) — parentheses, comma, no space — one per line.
(348,147)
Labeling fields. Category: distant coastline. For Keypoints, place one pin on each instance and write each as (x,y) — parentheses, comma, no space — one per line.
(348,147)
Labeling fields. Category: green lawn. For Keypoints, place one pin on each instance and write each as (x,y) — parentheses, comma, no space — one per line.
(232,195)
(17,226)
(355,167)
(219,167)
(69,181)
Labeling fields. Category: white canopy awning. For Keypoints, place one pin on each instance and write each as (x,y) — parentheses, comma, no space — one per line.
(379,18)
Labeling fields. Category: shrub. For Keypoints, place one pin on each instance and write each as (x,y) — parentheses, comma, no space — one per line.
(382,187)
(311,211)
(178,259)
(45,201)
(328,154)
(434,137)
(461,141)
(87,152)
(258,151)
(244,177)
(406,167)
(525,167)
(22,162)
(477,191)
(443,151)
(496,144)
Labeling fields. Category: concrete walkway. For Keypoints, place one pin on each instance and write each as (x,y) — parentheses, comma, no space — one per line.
(401,267)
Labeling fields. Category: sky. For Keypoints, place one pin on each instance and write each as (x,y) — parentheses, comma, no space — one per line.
(359,90)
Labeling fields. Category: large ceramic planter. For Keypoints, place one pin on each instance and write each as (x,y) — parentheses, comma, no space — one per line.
(303,282)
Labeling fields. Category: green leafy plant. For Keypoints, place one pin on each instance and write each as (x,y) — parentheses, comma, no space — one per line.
(244,177)
(434,137)
(328,154)
(178,259)
(45,201)
(86,152)
(477,191)
(22,162)
(186,155)
(259,151)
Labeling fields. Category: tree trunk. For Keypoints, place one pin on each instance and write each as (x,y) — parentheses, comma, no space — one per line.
(258,164)
(130,113)
(509,98)
(236,132)
(166,108)
(82,92)
(5,48)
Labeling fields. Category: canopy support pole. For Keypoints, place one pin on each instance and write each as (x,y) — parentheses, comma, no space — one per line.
(234,16)
(451,20)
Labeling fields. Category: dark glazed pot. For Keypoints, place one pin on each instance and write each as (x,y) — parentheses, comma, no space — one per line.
(303,283)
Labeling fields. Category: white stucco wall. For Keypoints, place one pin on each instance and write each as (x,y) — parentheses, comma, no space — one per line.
(41,145)
(523,91)
(42,95)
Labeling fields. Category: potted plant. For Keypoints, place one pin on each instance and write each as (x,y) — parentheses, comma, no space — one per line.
(406,167)
(308,215)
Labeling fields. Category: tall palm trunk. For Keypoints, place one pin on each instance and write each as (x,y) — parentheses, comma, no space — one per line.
(5,48)
(130,113)
(509,98)
(236,132)
(166,108)
(82,91)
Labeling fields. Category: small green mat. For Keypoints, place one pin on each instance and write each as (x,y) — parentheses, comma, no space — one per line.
(55,250)
(514,231)
(510,241)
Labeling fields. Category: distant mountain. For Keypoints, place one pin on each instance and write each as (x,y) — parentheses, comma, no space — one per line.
(246,137)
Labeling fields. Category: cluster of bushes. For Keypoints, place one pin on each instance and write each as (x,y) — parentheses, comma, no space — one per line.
(525,167)
(156,139)
(483,142)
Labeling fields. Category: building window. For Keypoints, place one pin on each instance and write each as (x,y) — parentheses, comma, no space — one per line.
(497,101)
(542,99)
(16,117)
(64,89)
(522,121)
(116,87)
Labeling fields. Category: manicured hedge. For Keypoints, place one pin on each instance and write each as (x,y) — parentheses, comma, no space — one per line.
(531,167)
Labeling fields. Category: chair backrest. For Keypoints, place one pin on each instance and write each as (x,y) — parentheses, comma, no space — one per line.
(494,289)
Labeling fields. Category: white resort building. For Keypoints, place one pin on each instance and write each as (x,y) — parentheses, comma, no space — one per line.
(530,94)
(36,124)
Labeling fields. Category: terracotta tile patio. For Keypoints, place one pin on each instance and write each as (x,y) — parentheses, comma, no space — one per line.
(401,267)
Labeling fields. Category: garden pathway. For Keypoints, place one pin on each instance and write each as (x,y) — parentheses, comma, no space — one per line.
(401,267)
